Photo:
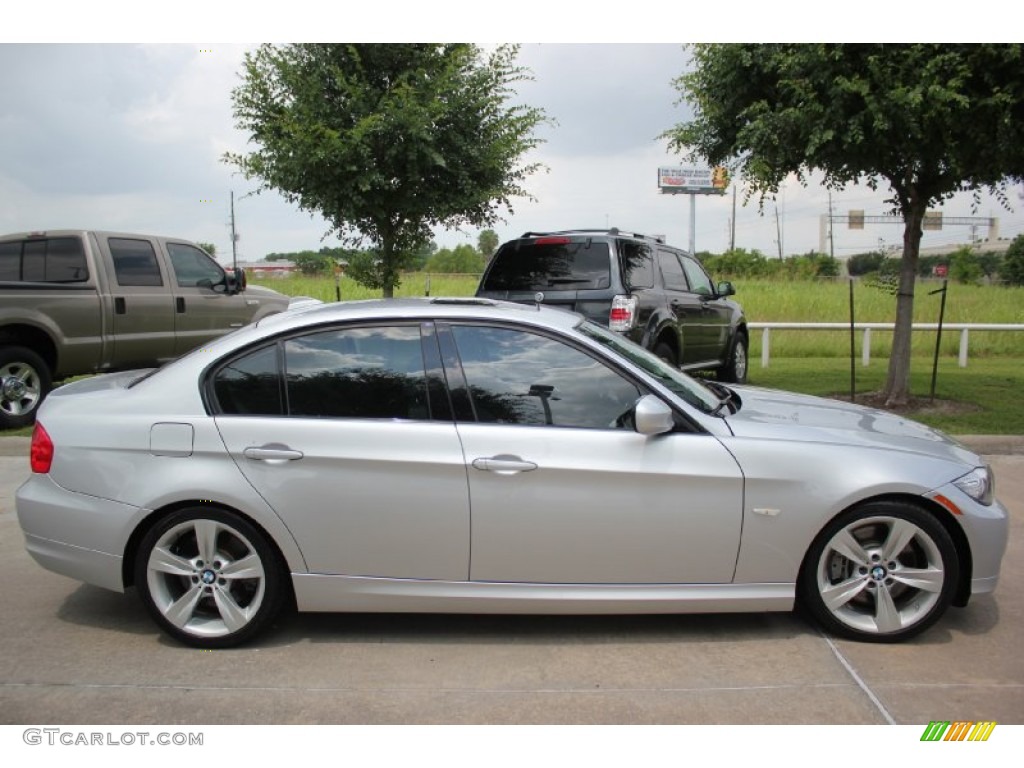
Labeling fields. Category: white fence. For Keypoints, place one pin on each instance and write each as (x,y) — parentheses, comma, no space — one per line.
(867,328)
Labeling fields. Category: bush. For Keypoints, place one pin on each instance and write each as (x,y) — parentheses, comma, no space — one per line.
(1012,269)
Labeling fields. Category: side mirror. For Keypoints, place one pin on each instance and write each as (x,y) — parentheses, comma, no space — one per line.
(725,288)
(235,280)
(652,417)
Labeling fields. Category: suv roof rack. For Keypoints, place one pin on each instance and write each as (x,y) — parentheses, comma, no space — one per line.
(614,231)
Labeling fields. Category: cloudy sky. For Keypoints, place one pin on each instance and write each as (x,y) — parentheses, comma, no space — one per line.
(129,136)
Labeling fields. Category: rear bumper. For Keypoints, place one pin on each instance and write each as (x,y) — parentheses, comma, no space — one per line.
(74,534)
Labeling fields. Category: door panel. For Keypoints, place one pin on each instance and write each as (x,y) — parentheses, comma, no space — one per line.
(367,498)
(603,507)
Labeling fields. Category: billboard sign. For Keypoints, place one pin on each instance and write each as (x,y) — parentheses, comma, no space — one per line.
(693,180)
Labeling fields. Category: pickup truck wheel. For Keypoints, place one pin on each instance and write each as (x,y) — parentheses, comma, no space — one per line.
(24,382)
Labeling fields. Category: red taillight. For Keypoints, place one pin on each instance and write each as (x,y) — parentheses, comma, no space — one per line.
(41,452)
(622,316)
(551,241)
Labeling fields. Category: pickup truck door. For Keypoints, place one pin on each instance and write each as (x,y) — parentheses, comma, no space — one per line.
(142,308)
(203,309)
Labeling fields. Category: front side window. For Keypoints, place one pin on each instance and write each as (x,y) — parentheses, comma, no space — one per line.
(357,373)
(698,278)
(135,262)
(193,267)
(520,377)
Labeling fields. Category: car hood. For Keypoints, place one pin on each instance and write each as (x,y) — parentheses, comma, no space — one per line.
(772,414)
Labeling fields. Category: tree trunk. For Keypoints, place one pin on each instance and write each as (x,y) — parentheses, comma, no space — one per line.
(897,384)
(387,247)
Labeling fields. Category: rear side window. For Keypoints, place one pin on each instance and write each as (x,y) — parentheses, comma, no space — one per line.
(135,262)
(44,260)
(544,266)
(637,265)
(250,385)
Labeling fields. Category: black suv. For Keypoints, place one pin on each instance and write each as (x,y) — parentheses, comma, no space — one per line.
(657,295)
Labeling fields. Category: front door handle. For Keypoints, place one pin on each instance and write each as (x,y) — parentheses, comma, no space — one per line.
(273,453)
(504,465)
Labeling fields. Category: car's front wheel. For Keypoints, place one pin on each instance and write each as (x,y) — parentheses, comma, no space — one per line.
(881,572)
(209,578)
(735,369)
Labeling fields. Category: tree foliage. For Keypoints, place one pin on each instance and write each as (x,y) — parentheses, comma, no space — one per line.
(1012,269)
(387,141)
(487,243)
(926,120)
(462,259)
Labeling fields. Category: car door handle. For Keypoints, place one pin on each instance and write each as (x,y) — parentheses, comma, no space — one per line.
(272,454)
(504,465)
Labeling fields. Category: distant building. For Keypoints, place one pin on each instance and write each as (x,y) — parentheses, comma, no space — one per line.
(267,268)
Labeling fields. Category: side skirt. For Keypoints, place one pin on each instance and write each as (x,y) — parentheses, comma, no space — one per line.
(317,592)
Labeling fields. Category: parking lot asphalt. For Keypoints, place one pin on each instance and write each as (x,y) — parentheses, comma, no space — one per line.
(78,654)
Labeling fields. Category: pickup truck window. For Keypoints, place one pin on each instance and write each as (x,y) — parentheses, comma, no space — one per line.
(134,262)
(192,265)
(44,260)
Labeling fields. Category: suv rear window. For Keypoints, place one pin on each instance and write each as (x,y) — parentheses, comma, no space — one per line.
(543,266)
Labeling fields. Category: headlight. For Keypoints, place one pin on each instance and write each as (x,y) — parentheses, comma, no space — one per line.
(979,484)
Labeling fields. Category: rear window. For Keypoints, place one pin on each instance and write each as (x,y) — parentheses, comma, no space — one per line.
(44,260)
(535,266)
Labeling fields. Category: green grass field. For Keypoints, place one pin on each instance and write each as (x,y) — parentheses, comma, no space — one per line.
(988,391)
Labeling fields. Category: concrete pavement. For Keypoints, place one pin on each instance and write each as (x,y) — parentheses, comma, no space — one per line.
(77,654)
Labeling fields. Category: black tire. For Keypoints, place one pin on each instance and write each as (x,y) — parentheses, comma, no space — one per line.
(209,578)
(738,363)
(666,353)
(881,572)
(25,379)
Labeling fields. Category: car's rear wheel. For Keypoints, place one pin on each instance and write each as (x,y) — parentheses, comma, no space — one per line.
(666,353)
(209,578)
(882,572)
(24,382)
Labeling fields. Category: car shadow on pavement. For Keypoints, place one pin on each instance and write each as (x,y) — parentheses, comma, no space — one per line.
(102,609)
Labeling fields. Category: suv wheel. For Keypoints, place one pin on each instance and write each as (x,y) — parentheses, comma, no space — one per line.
(666,353)
(735,369)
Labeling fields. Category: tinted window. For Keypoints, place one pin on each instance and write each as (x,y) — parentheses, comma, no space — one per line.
(698,278)
(359,373)
(516,377)
(637,265)
(134,262)
(192,265)
(542,266)
(51,260)
(671,271)
(250,385)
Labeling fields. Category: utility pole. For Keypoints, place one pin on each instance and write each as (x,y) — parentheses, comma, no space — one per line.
(234,237)
(778,232)
(831,238)
(732,235)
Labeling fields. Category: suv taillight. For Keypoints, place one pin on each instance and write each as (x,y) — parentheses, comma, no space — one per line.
(623,315)
(41,451)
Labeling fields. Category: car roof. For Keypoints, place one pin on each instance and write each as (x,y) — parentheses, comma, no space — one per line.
(452,308)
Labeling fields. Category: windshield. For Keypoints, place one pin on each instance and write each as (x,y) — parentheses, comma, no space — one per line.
(690,390)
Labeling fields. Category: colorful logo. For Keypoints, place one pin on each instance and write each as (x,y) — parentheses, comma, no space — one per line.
(959,730)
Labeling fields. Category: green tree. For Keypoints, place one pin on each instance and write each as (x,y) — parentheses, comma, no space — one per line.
(1012,270)
(387,141)
(963,266)
(463,259)
(210,248)
(312,263)
(487,243)
(926,120)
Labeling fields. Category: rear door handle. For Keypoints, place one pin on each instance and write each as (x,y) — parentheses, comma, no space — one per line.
(504,465)
(272,454)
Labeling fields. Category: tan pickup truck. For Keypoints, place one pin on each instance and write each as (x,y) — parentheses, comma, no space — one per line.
(75,302)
